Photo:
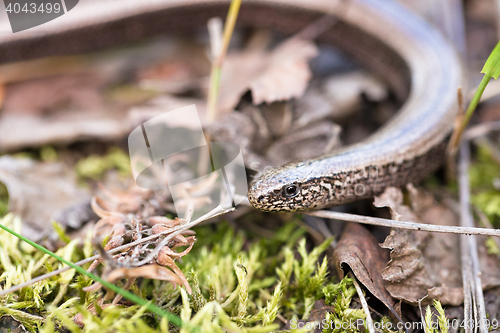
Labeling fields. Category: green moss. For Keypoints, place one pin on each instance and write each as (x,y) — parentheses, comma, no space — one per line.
(48,154)
(4,200)
(492,246)
(483,173)
(438,325)
(340,296)
(130,94)
(240,283)
(94,166)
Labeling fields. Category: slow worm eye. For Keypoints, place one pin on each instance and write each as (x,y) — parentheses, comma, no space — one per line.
(290,191)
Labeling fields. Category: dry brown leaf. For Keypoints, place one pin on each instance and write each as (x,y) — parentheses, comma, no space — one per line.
(165,259)
(240,128)
(21,131)
(304,143)
(421,263)
(126,216)
(39,192)
(153,271)
(266,139)
(68,92)
(280,74)
(359,249)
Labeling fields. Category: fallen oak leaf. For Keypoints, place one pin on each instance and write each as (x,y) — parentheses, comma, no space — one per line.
(280,74)
(288,63)
(359,250)
(422,264)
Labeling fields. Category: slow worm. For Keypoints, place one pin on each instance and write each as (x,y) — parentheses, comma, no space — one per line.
(417,63)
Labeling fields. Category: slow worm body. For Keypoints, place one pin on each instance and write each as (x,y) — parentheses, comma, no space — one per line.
(416,62)
(407,148)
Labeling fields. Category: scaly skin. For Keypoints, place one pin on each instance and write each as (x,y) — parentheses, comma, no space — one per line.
(415,61)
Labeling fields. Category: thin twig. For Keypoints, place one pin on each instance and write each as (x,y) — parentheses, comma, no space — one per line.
(177,230)
(401,224)
(470,258)
(213,92)
(215,212)
(424,324)
(364,304)
(458,131)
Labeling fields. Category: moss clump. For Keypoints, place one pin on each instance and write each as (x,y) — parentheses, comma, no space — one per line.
(441,324)
(239,283)
(94,166)
(4,200)
(484,174)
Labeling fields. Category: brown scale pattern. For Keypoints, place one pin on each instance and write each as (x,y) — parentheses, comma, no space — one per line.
(346,187)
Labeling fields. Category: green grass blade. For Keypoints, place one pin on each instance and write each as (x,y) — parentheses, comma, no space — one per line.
(492,65)
(126,294)
(491,69)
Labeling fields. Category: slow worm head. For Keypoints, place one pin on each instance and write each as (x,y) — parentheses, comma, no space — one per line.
(423,69)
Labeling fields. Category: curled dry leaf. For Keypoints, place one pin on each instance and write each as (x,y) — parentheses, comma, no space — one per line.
(422,264)
(280,74)
(126,217)
(359,250)
(39,193)
(153,271)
